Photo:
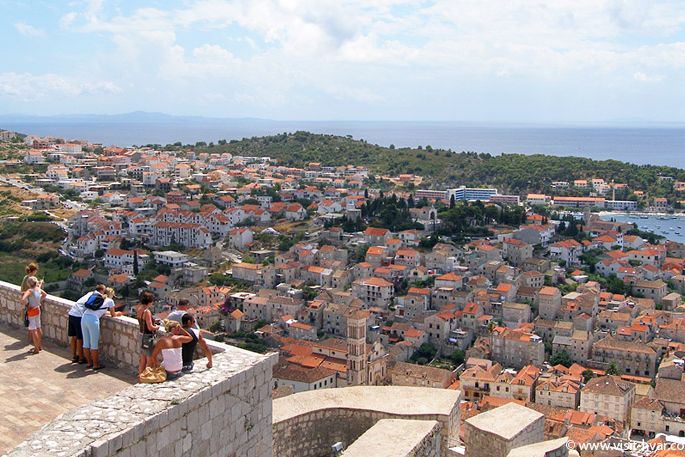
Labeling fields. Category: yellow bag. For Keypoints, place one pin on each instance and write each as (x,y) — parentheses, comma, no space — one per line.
(153,375)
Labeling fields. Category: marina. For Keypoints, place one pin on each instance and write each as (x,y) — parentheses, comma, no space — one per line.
(669,226)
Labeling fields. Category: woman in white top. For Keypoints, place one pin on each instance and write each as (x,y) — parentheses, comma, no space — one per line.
(32,298)
(90,326)
(170,347)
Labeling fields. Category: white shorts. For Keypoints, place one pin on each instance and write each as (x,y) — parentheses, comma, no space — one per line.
(34,322)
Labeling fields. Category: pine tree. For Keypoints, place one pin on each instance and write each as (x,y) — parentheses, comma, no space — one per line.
(135,263)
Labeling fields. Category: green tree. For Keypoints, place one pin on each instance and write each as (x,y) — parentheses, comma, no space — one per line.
(425,353)
(561,358)
(216,326)
(457,357)
(613,369)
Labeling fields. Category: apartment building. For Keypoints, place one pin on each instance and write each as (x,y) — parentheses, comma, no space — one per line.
(632,357)
(608,396)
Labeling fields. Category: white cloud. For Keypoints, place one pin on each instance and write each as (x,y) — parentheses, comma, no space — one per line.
(645,78)
(27,86)
(306,53)
(29,30)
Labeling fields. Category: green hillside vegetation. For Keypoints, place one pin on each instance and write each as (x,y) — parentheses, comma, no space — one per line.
(24,242)
(515,173)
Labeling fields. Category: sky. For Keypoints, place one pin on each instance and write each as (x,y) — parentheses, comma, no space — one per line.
(413,60)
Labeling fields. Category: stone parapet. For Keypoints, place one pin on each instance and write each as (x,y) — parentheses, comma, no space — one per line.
(398,438)
(119,336)
(551,448)
(308,423)
(496,432)
(217,412)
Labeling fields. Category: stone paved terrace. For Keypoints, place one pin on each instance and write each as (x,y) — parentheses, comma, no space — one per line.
(35,389)
(219,412)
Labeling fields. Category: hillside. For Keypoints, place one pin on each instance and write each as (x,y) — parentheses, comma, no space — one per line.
(516,173)
(24,242)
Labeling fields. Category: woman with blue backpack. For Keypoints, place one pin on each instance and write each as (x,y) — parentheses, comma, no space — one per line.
(74,331)
(96,306)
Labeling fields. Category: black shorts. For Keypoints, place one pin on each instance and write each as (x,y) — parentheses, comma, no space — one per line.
(75,327)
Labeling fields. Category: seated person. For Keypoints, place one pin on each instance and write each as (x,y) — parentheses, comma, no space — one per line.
(180,311)
(169,346)
(188,350)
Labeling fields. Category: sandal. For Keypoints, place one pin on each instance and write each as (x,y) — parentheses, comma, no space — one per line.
(82,361)
(34,351)
(100,367)
(89,366)
(74,359)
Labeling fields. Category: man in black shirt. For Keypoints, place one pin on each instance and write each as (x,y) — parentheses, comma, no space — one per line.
(188,349)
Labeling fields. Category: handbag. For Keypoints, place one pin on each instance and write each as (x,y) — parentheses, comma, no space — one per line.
(148,341)
(153,375)
(26,317)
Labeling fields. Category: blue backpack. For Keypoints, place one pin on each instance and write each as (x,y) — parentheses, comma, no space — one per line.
(95,301)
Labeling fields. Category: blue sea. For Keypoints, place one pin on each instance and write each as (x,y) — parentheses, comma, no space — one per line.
(670,226)
(662,145)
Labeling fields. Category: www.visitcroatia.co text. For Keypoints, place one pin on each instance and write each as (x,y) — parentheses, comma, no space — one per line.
(625,447)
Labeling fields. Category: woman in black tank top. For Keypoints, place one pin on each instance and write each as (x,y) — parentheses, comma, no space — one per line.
(148,329)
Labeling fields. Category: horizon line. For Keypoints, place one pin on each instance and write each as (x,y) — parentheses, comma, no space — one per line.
(615,122)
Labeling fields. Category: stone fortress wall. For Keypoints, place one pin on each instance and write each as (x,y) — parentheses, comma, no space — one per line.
(401,438)
(217,412)
(308,423)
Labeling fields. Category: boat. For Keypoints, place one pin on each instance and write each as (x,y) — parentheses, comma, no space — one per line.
(644,217)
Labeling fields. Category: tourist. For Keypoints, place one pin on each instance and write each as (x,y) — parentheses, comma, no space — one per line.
(32,298)
(74,331)
(179,311)
(90,326)
(31,270)
(148,329)
(188,350)
(169,347)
